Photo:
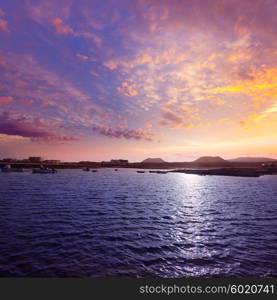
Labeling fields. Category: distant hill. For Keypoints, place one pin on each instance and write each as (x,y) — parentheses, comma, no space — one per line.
(252,159)
(153,161)
(210,159)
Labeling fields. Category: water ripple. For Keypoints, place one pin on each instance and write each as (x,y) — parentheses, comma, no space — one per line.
(124,224)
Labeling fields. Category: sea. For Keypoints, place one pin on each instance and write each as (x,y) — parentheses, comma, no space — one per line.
(126,224)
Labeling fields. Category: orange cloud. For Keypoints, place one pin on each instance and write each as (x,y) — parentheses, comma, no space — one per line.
(259,128)
(112,65)
(127,90)
(4,25)
(6,100)
(239,56)
(272,109)
(61,28)
(148,125)
(224,121)
(261,87)
(242,89)
(179,116)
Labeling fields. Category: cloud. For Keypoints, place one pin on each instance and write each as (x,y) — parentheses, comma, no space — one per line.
(3,23)
(180,63)
(52,137)
(220,17)
(62,28)
(37,130)
(53,98)
(97,40)
(176,116)
(214,76)
(39,83)
(59,13)
(26,102)
(112,65)
(243,89)
(82,57)
(170,56)
(272,109)
(260,87)
(267,112)
(127,90)
(6,100)
(148,125)
(42,11)
(123,132)
(11,138)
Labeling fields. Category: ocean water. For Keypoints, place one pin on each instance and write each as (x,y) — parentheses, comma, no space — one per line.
(125,224)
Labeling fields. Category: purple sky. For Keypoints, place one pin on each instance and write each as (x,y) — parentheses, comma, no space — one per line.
(94,80)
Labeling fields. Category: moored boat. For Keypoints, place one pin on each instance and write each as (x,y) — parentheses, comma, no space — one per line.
(86,169)
(44,170)
(140,171)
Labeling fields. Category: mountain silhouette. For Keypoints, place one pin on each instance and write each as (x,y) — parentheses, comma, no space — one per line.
(153,161)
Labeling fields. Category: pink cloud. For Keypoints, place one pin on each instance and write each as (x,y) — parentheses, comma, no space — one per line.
(36,130)
(177,116)
(42,11)
(82,57)
(112,65)
(61,28)
(127,90)
(52,137)
(90,35)
(6,100)
(2,13)
(4,25)
(123,132)
(25,102)
(148,125)
(24,70)
(223,17)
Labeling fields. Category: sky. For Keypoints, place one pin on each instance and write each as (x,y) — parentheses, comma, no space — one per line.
(102,79)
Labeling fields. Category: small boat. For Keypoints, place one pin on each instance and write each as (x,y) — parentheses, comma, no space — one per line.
(152,171)
(140,171)
(9,169)
(93,171)
(116,169)
(86,169)
(44,170)
(161,172)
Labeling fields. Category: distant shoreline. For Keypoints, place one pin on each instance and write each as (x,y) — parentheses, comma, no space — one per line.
(246,169)
(165,165)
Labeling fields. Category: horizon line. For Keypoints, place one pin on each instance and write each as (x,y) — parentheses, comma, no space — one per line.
(26,160)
